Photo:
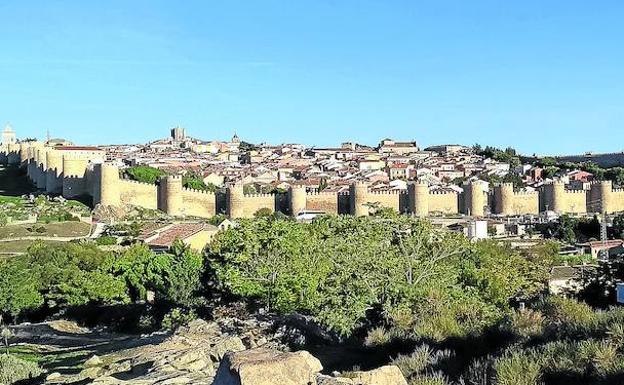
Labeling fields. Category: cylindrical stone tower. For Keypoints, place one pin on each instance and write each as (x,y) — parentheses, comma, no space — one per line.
(173,195)
(30,164)
(13,156)
(33,169)
(557,196)
(297,196)
(503,199)
(418,194)
(359,198)
(41,167)
(23,153)
(605,197)
(475,198)
(54,172)
(236,201)
(109,185)
(74,170)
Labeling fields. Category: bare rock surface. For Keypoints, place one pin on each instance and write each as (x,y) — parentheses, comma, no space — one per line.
(189,356)
(385,375)
(232,350)
(268,367)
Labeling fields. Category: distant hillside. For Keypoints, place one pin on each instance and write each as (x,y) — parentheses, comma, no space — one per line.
(603,160)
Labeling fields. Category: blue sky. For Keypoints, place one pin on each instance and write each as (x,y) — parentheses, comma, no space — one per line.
(543,76)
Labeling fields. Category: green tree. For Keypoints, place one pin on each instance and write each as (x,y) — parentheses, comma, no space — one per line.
(174,277)
(194,182)
(183,278)
(618,226)
(75,274)
(145,174)
(19,287)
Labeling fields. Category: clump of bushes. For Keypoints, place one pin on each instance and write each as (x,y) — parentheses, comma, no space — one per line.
(62,276)
(145,174)
(106,240)
(177,317)
(14,369)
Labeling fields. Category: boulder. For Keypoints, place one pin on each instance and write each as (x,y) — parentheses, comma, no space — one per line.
(267,367)
(328,380)
(93,362)
(386,375)
(224,345)
(54,376)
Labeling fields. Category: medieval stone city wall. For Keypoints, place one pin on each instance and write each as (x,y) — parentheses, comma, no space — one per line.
(327,202)
(138,194)
(254,202)
(390,200)
(444,202)
(199,203)
(510,202)
(604,198)
(557,198)
(82,172)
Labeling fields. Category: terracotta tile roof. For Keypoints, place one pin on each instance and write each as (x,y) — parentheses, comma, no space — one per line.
(166,236)
(609,243)
(77,148)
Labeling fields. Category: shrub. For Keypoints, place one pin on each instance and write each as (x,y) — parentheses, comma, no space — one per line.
(615,332)
(177,317)
(106,240)
(423,359)
(479,372)
(600,356)
(563,311)
(430,379)
(414,363)
(401,319)
(606,359)
(517,369)
(263,212)
(525,323)
(377,337)
(14,369)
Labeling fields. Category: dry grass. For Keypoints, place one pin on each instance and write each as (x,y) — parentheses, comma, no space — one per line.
(18,247)
(57,229)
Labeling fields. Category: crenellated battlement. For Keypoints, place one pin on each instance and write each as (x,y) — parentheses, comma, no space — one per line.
(325,193)
(449,193)
(195,191)
(260,195)
(390,192)
(136,182)
(525,193)
(71,155)
(575,191)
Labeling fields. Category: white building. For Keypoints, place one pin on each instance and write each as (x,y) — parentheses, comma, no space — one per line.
(477,230)
(8,135)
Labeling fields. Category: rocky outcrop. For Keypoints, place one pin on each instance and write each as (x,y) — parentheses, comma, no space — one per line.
(229,351)
(190,356)
(267,367)
(386,375)
(270,367)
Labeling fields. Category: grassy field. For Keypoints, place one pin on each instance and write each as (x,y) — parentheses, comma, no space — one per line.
(56,229)
(8,248)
